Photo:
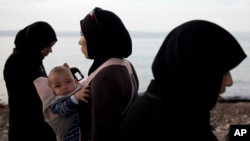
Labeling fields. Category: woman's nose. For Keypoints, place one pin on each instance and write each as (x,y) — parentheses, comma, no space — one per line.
(228,79)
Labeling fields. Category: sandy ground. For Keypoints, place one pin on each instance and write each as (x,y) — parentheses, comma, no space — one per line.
(226,114)
(222,116)
(3,122)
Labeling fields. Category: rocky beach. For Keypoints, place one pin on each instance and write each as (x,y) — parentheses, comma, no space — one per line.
(4,111)
(223,115)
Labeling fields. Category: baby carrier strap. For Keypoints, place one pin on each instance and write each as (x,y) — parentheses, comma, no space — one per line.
(116,61)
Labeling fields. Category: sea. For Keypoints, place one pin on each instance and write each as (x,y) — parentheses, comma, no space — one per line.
(145,47)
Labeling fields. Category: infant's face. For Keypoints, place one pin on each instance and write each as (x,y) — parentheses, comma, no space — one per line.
(63,84)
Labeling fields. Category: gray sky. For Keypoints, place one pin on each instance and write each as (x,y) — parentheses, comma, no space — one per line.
(137,15)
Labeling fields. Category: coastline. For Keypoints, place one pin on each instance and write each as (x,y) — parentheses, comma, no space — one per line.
(224,114)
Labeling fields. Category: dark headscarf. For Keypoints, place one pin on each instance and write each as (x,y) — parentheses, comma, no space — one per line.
(35,37)
(106,36)
(192,61)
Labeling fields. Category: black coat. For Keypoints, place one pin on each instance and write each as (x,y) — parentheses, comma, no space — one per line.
(188,71)
(26,121)
(25,107)
(151,118)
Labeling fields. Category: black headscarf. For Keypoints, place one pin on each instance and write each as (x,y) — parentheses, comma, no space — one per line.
(192,60)
(34,37)
(106,36)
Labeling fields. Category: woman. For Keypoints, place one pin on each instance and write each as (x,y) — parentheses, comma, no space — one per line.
(25,64)
(104,39)
(191,69)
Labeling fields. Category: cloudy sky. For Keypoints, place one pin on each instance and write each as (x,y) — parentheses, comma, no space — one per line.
(138,15)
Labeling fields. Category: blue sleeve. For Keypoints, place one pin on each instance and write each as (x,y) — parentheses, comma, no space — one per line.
(64,108)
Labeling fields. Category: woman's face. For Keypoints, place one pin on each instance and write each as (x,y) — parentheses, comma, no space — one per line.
(45,52)
(226,82)
(83,44)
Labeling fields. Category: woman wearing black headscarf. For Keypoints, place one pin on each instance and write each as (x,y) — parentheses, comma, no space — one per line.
(26,121)
(191,69)
(104,38)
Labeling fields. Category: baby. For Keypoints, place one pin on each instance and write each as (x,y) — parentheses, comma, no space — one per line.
(60,110)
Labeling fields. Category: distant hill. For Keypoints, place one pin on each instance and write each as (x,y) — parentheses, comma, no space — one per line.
(141,34)
(76,33)
(14,32)
(8,32)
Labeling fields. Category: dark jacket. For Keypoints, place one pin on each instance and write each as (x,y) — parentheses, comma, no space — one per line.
(188,71)
(26,121)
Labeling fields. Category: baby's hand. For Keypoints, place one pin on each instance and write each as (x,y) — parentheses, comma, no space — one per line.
(83,93)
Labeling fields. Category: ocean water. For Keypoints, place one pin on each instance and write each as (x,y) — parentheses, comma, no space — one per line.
(145,48)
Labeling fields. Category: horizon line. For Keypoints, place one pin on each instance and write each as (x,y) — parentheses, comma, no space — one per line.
(13,32)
